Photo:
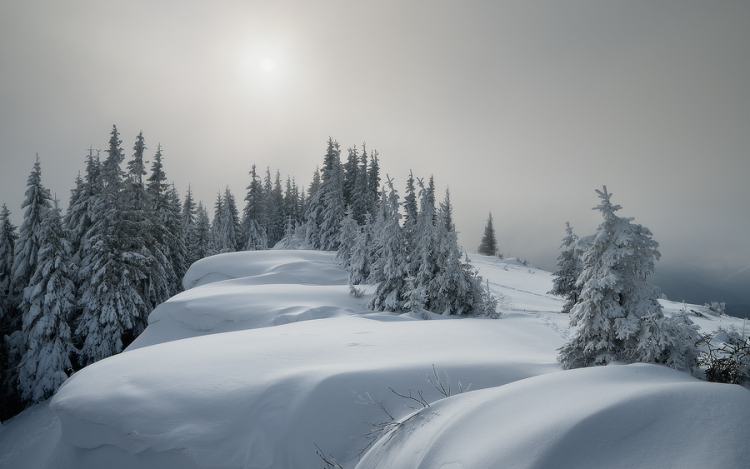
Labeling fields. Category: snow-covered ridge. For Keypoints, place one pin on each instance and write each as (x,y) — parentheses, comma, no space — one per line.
(260,359)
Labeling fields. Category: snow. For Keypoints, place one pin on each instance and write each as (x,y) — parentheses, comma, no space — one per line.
(261,359)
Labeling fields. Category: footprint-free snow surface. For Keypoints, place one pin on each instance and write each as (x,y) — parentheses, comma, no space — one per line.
(266,355)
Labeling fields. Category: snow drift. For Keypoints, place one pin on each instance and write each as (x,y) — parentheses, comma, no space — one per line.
(260,359)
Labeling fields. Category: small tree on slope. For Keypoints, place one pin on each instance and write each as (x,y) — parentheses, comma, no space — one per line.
(618,315)
(488,247)
(568,270)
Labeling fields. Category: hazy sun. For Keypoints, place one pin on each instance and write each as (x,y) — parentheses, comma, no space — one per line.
(267,65)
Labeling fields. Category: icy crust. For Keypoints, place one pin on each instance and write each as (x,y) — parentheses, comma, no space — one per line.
(261,397)
(268,267)
(614,417)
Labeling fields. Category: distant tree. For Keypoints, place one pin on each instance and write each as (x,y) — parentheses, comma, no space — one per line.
(204,245)
(568,269)
(618,315)
(48,302)
(189,216)
(447,209)
(373,182)
(254,236)
(488,246)
(351,170)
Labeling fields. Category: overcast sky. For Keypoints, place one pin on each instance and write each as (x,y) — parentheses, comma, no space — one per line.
(521,108)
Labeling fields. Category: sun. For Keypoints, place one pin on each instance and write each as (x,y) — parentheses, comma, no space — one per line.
(267,65)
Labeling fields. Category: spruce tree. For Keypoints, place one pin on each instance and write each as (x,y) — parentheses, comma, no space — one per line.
(165,236)
(8,237)
(48,303)
(254,235)
(111,295)
(373,182)
(618,315)
(488,246)
(79,218)
(351,169)
(38,201)
(568,270)
(392,267)
(204,245)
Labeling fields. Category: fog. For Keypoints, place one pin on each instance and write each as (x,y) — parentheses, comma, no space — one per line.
(521,108)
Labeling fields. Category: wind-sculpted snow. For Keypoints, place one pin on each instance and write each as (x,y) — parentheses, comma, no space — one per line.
(261,397)
(247,290)
(261,358)
(631,416)
(268,267)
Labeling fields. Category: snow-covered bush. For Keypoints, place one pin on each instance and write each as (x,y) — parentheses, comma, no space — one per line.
(726,356)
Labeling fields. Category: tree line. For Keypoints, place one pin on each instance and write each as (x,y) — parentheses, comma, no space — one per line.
(78,287)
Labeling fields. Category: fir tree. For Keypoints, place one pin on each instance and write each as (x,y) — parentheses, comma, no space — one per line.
(8,237)
(361,197)
(447,209)
(253,233)
(189,216)
(568,270)
(373,182)
(204,245)
(111,295)
(79,218)
(488,246)
(48,302)
(618,315)
(351,169)
(392,265)
(38,201)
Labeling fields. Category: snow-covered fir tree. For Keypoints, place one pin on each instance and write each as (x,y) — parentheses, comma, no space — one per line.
(230,220)
(568,269)
(189,215)
(115,271)
(254,236)
(37,202)
(48,302)
(447,210)
(362,254)
(274,208)
(488,246)
(326,208)
(158,223)
(8,237)
(348,236)
(204,245)
(618,315)
(79,218)
(373,182)
(178,250)
(391,270)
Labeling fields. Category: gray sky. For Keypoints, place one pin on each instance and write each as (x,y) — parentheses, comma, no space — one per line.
(522,108)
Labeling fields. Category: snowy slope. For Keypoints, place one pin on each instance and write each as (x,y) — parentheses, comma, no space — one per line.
(260,359)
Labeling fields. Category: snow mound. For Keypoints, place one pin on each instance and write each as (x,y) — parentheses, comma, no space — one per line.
(247,290)
(613,417)
(268,267)
(262,397)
